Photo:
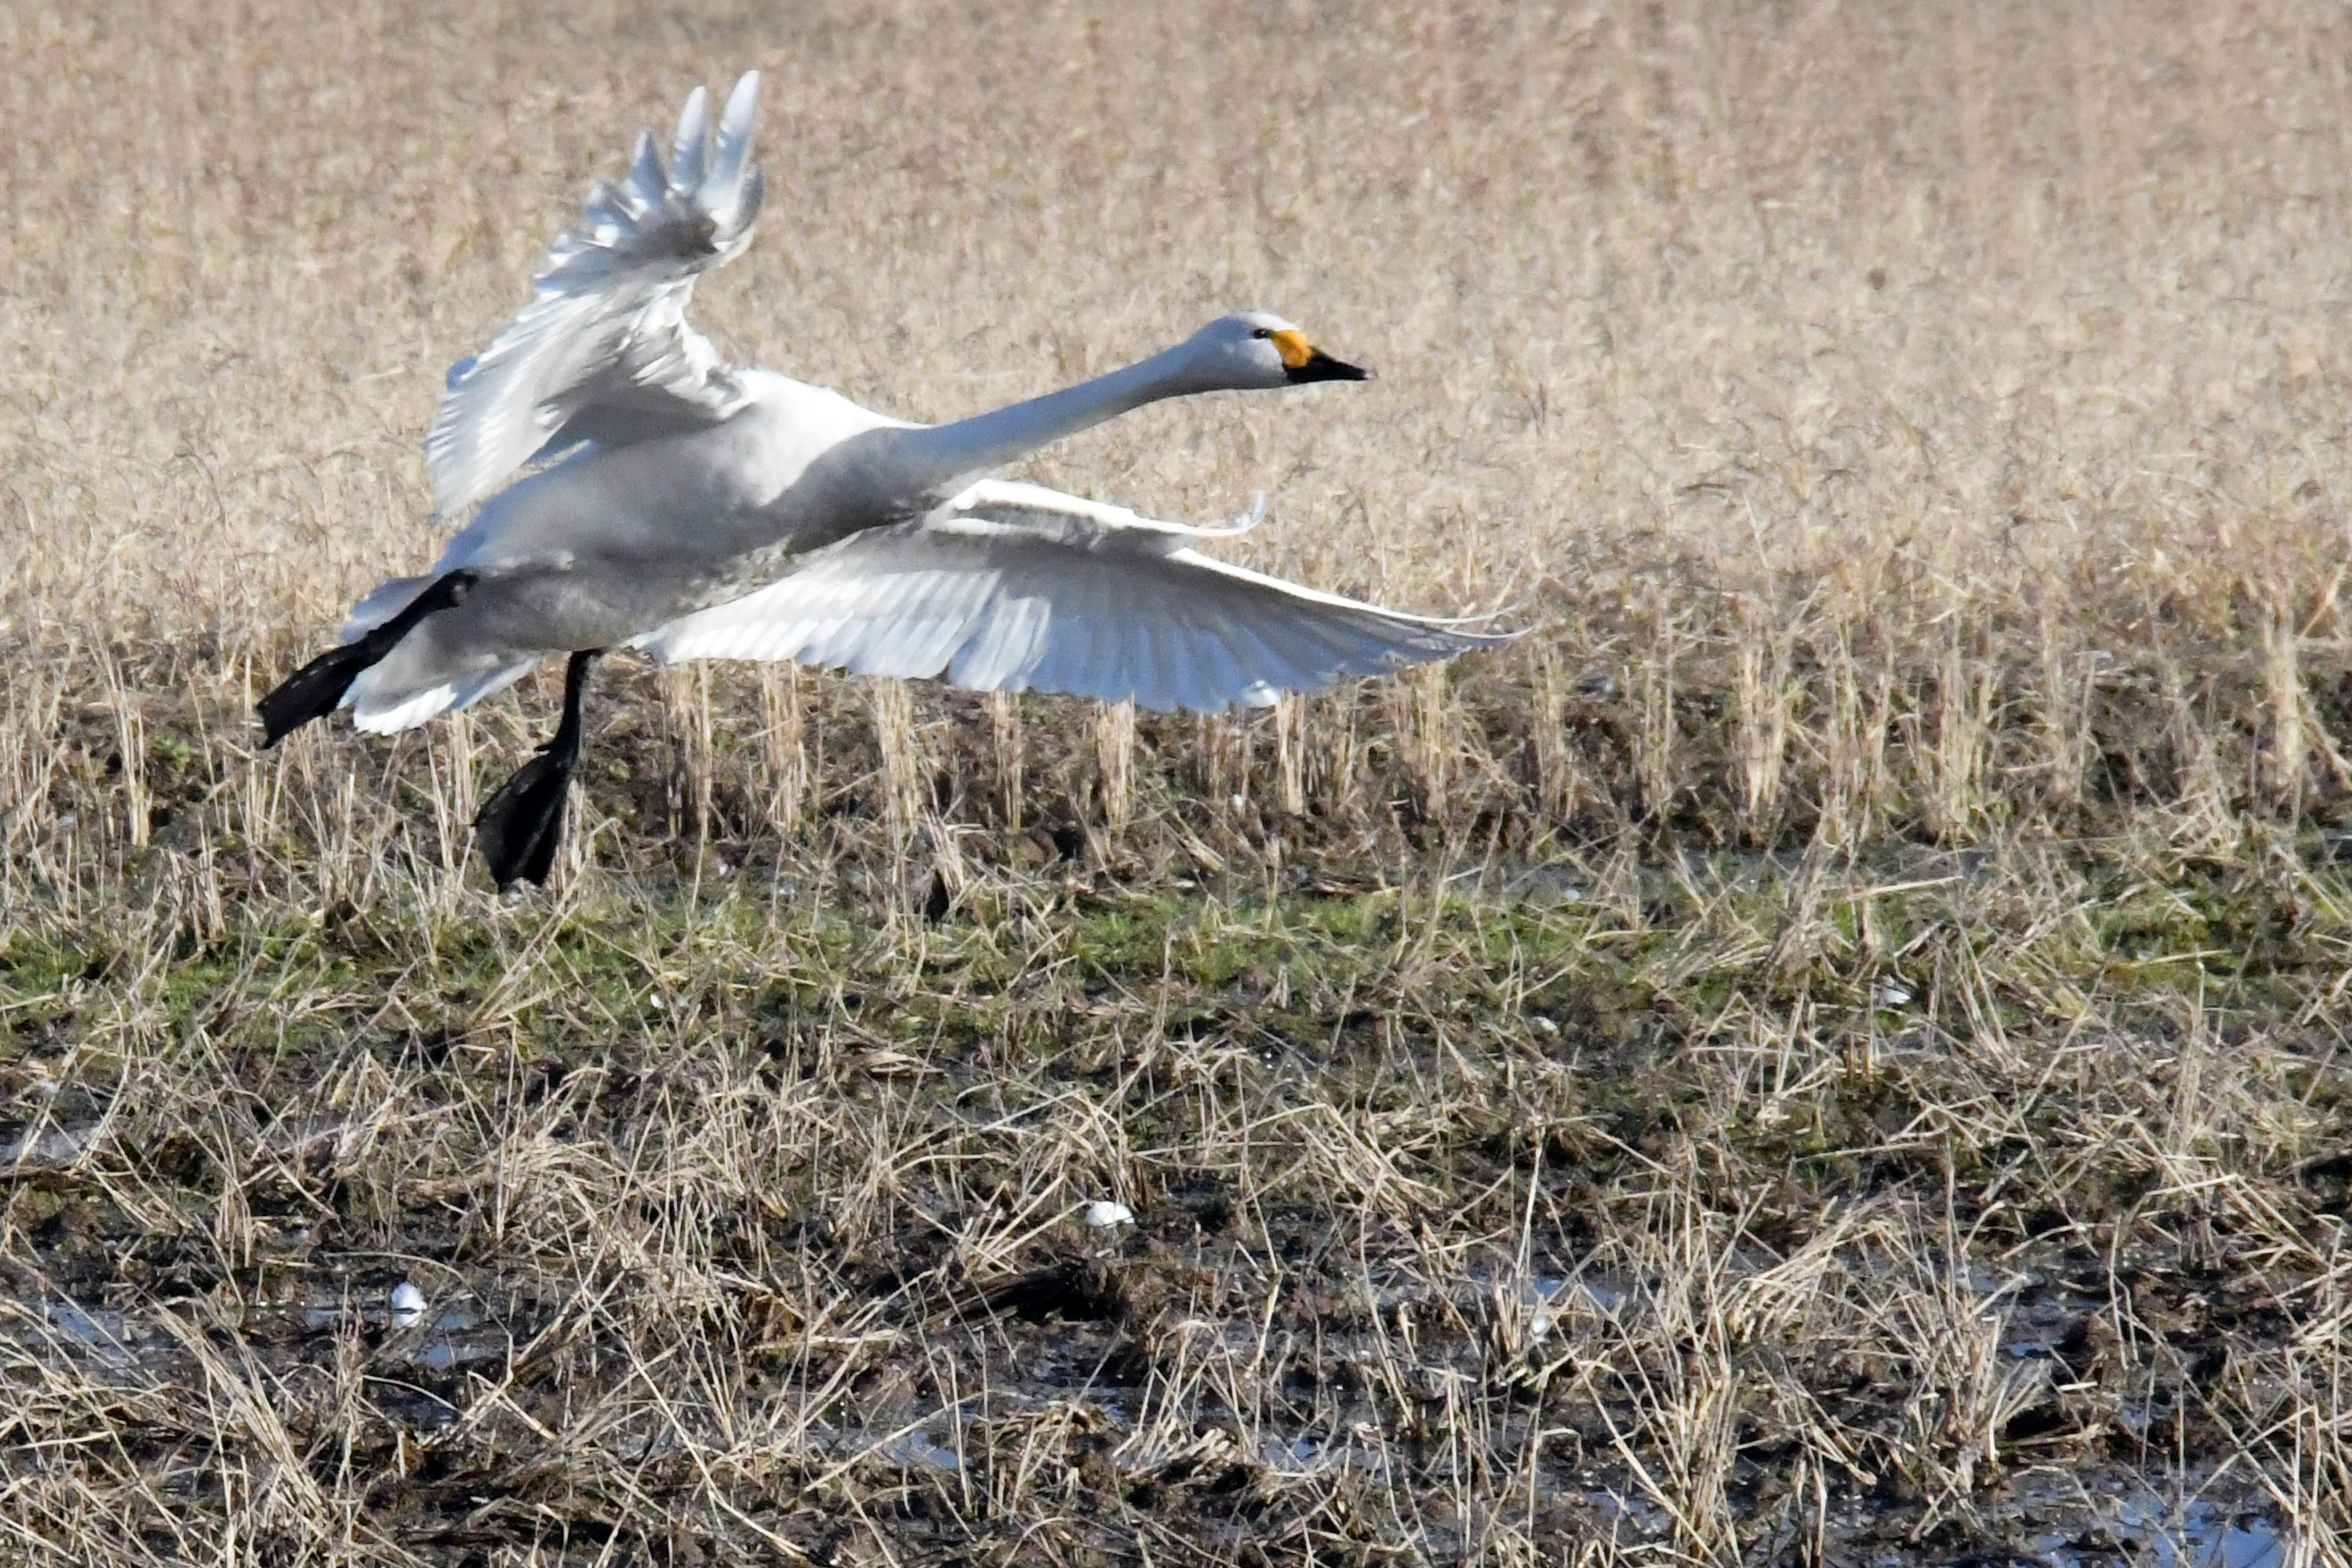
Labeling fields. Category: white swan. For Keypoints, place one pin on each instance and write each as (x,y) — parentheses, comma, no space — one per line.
(690,508)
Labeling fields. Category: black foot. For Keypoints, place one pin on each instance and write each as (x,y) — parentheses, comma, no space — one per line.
(317,689)
(312,691)
(519,827)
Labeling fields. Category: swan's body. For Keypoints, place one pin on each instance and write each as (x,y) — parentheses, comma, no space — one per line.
(689,508)
(610,545)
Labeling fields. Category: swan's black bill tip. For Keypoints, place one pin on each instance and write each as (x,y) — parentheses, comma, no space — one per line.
(1320,366)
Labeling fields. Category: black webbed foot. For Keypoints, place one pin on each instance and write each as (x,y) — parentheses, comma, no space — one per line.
(317,689)
(519,827)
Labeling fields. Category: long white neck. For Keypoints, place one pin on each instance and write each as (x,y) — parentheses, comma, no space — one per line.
(942,458)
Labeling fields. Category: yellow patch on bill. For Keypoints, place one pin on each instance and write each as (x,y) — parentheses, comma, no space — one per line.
(1295,349)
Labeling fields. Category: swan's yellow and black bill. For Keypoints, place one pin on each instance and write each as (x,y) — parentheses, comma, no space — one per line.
(1304,361)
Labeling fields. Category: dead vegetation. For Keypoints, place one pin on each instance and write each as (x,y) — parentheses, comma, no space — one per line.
(1832,1050)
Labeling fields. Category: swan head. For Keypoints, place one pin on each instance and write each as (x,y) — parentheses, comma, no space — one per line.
(1260,350)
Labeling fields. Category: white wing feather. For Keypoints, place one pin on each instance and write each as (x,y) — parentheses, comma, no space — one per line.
(1013,587)
(603,352)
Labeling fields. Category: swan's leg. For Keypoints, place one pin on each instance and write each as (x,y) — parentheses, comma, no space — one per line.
(519,826)
(316,690)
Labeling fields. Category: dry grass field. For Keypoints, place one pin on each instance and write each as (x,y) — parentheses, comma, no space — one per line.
(1832,1050)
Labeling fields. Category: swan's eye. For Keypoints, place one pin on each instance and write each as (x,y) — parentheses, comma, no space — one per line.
(1262,333)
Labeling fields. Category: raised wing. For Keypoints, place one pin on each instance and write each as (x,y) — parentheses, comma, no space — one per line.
(1013,587)
(603,352)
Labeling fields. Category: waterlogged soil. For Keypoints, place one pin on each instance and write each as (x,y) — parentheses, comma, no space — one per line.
(1062,1345)
(1236,1374)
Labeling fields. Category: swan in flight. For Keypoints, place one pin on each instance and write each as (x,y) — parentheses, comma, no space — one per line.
(686,508)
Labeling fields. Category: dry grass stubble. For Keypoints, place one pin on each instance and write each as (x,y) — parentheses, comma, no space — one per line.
(1832,1048)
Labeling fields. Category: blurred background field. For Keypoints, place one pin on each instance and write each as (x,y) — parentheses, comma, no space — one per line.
(1831,1048)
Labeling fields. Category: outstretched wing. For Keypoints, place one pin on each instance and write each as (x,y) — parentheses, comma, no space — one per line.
(1014,587)
(603,352)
